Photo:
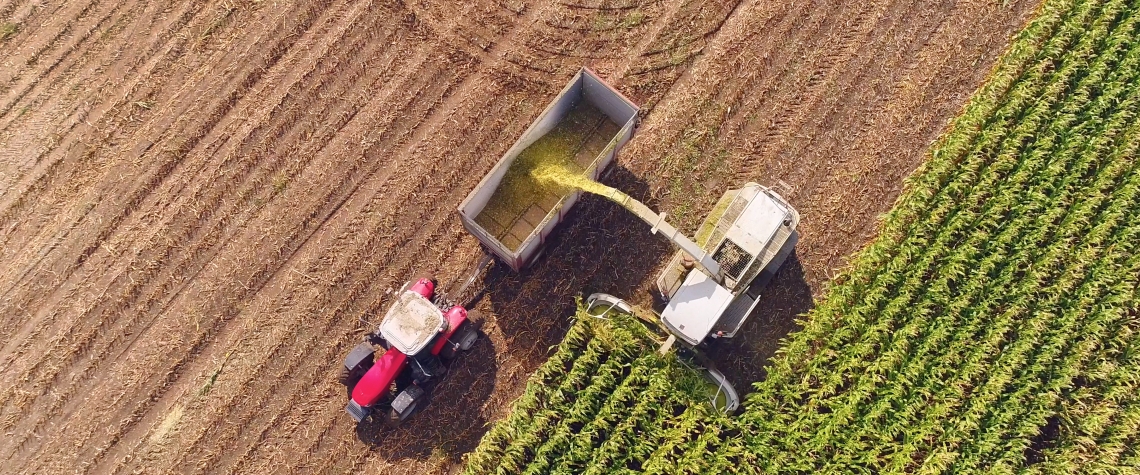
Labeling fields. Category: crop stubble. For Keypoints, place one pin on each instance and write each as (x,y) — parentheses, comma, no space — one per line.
(194,183)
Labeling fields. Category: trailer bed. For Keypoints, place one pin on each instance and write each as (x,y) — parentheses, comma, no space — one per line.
(520,204)
(581,131)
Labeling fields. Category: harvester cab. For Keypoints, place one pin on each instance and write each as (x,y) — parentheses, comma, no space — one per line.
(711,285)
(749,234)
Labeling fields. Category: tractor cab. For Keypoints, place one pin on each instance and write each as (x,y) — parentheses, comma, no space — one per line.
(412,323)
(417,338)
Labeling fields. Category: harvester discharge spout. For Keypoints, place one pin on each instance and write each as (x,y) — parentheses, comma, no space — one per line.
(560,176)
(662,227)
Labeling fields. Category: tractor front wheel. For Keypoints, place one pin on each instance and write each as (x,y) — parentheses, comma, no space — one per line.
(406,404)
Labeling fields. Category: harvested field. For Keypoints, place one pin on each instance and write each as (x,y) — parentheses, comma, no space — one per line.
(200,200)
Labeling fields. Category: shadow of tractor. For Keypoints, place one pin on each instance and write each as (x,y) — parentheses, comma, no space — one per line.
(446,424)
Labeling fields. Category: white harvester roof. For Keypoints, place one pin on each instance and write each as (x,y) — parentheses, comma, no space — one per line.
(411,323)
(757,224)
(749,225)
(696,307)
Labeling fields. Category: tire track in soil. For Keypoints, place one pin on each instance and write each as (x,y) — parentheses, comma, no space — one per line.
(52,94)
(195,449)
(9,297)
(671,121)
(594,34)
(399,197)
(428,126)
(358,465)
(336,360)
(321,92)
(74,169)
(248,83)
(481,41)
(76,265)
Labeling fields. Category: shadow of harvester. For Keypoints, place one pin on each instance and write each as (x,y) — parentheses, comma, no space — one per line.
(743,358)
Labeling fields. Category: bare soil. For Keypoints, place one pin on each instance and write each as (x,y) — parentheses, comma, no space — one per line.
(199,201)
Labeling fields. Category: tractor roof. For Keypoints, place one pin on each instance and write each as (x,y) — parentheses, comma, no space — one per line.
(411,323)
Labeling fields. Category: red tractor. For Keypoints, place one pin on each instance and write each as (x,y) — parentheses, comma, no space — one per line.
(417,338)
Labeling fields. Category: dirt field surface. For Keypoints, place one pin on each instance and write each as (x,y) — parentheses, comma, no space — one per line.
(199,200)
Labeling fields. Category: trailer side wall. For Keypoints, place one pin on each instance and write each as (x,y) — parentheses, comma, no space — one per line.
(585,86)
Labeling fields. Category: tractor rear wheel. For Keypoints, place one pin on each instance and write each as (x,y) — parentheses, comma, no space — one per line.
(462,340)
(356,364)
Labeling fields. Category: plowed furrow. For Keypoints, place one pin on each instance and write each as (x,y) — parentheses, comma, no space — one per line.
(255,189)
(49,219)
(393,268)
(416,97)
(22,203)
(171,159)
(79,174)
(247,82)
(837,68)
(745,65)
(64,46)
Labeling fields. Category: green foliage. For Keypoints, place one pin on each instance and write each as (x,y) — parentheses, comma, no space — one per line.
(605,401)
(1005,276)
(8,30)
(992,327)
